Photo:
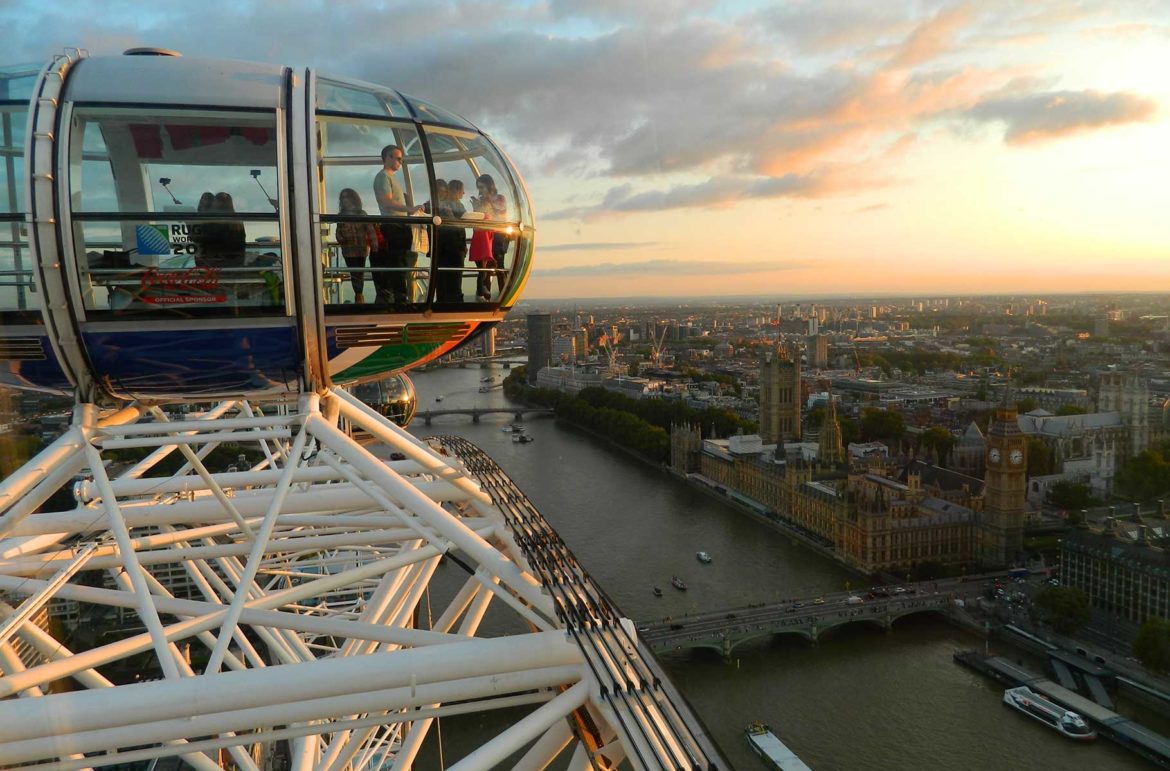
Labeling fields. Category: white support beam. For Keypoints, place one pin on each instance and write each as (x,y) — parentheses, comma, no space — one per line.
(258,545)
(434,516)
(546,749)
(521,733)
(146,610)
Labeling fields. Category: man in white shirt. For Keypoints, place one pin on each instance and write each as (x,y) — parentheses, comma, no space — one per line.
(392,286)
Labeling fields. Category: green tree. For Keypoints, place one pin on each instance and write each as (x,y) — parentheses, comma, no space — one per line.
(1152,644)
(1144,477)
(1039,458)
(1027,404)
(1071,495)
(940,440)
(1066,608)
(849,431)
(882,425)
(1070,409)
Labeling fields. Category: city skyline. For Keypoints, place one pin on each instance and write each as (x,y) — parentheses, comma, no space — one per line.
(933,148)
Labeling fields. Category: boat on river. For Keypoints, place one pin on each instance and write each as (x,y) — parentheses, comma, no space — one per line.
(439,398)
(657,592)
(1051,714)
(773,751)
(703,557)
(678,583)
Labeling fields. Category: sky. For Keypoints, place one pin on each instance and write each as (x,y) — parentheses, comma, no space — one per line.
(700,148)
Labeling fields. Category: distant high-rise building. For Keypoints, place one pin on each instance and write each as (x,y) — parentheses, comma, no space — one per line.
(814,325)
(581,338)
(780,397)
(539,344)
(488,342)
(818,351)
(564,349)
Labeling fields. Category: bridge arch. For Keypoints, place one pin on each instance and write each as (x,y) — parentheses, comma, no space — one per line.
(915,611)
(735,641)
(881,622)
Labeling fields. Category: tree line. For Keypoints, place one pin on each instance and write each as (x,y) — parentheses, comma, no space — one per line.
(642,425)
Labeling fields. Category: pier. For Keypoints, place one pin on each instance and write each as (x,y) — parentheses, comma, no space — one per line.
(1115,727)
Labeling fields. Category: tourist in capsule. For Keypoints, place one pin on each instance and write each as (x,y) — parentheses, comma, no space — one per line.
(219,243)
(450,243)
(392,286)
(199,229)
(358,240)
(484,247)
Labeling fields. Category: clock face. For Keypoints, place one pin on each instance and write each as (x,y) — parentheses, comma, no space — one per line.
(993,456)
(1016,457)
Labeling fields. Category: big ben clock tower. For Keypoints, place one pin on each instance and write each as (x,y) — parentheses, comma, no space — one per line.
(1001,530)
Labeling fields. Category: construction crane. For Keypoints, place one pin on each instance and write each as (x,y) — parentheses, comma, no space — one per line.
(656,341)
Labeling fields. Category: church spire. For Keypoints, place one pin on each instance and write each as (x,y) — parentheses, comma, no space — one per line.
(830,450)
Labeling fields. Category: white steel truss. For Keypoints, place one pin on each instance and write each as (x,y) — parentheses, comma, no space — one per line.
(248,585)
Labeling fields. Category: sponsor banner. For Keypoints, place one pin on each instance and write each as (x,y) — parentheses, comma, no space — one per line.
(194,286)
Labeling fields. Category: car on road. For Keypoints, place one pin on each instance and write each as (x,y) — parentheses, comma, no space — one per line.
(819,601)
(796,605)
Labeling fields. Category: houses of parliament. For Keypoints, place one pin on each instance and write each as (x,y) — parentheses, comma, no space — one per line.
(875,514)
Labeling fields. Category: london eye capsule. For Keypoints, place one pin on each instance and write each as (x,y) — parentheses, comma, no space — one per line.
(178,228)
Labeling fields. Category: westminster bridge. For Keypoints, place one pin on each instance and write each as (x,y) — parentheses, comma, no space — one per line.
(723,630)
(477,412)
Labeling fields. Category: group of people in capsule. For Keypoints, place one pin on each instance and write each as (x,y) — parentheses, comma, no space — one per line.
(395,245)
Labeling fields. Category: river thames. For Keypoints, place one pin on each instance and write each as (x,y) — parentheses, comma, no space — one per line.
(861,699)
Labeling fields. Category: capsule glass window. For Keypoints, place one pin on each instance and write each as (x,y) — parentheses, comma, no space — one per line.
(376,228)
(176,212)
(18,288)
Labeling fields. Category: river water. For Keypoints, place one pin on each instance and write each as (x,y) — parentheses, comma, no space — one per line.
(860,699)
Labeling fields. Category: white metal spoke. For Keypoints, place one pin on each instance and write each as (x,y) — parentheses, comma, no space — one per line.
(305,574)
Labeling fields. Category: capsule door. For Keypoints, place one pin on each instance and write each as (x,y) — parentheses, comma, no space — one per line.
(176,249)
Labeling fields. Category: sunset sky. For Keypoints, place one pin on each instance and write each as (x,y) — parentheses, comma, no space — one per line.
(729,148)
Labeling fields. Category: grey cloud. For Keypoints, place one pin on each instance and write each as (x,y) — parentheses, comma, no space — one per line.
(671,267)
(618,90)
(716,191)
(1030,117)
(826,25)
(871,207)
(598,246)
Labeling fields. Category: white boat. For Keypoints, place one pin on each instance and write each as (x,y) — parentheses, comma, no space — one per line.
(519,437)
(771,749)
(487,379)
(484,389)
(1051,714)
(506,429)
(439,398)
(703,557)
